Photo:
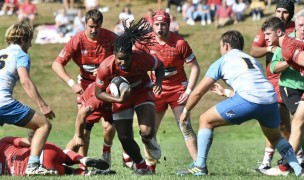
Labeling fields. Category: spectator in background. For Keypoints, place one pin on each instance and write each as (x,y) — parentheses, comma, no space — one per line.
(27,12)
(148,16)
(257,8)
(78,23)
(118,28)
(177,3)
(68,4)
(230,2)
(10,6)
(205,13)
(91,4)
(214,6)
(127,15)
(185,8)
(117,2)
(224,15)
(62,22)
(174,25)
(239,10)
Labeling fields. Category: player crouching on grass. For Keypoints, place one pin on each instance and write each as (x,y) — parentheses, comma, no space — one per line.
(133,66)
(254,98)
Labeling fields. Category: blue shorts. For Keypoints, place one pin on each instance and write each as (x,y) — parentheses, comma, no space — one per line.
(16,113)
(238,110)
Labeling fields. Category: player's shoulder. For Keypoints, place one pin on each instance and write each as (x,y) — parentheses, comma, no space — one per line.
(105,33)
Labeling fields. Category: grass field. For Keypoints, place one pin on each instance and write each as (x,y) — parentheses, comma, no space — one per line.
(235,149)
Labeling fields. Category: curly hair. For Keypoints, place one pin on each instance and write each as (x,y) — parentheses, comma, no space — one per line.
(18,33)
(134,33)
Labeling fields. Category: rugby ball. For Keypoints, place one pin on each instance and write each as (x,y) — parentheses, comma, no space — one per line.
(117,85)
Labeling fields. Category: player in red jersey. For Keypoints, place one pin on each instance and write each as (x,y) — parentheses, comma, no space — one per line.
(88,49)
(292,52)
(174,52)
(90,111)
(15,153)
(133,65)
(260,48)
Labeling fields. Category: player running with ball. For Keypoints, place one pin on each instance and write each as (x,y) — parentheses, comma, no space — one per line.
(133,65)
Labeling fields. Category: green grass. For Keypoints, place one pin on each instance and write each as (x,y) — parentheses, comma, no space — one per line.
(235,149)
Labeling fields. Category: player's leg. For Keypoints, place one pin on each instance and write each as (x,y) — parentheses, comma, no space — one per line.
(123,122)
(208,121)
(187,132)
(42,128)
(108,135)
(146,120)
(284,148)
(297,125)
(285,132)
(149,160)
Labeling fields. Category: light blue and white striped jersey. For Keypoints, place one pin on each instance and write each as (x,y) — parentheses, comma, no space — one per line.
(245,75)
(11,58)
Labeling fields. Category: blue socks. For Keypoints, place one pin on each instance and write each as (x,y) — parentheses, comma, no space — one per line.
(288,154)
(33,159)
(204,141)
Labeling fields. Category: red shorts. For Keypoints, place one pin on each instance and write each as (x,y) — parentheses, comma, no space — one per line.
(169,96)
(137,97)
(100,110)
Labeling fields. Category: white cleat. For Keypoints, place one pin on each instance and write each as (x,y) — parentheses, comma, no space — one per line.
(275,171)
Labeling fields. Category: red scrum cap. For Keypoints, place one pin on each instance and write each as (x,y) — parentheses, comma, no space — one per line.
(161,15)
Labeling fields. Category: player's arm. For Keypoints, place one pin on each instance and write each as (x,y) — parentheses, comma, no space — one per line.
(31,90)
(61,72)
(194,75)
(278,64)
(199,91)
(159,74)
(258,52)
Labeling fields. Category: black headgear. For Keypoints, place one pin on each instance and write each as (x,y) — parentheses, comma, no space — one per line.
(287,4)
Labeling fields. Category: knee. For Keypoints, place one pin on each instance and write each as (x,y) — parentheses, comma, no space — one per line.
(187,130)
(146,133)
(48,126)
(109,129)
(125,139)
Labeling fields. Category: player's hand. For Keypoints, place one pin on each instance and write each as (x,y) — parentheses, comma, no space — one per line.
(183,119)
(79,141)
(157,89)
(77,88)
(217,89)
(183,98)
(47,111)
(125,94)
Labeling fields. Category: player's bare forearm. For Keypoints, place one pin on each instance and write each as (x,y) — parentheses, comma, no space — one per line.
(258,52)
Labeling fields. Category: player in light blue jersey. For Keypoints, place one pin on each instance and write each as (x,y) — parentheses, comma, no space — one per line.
(15,65)
(254,98)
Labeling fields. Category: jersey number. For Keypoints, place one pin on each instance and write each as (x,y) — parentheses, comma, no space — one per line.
(2,60)
(249,63)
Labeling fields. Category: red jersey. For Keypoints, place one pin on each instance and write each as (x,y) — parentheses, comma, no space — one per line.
(14,157)
(291,48)
(99,108)
(259,41)
(141,63)
(173,54)
(28,8)
(86,54)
